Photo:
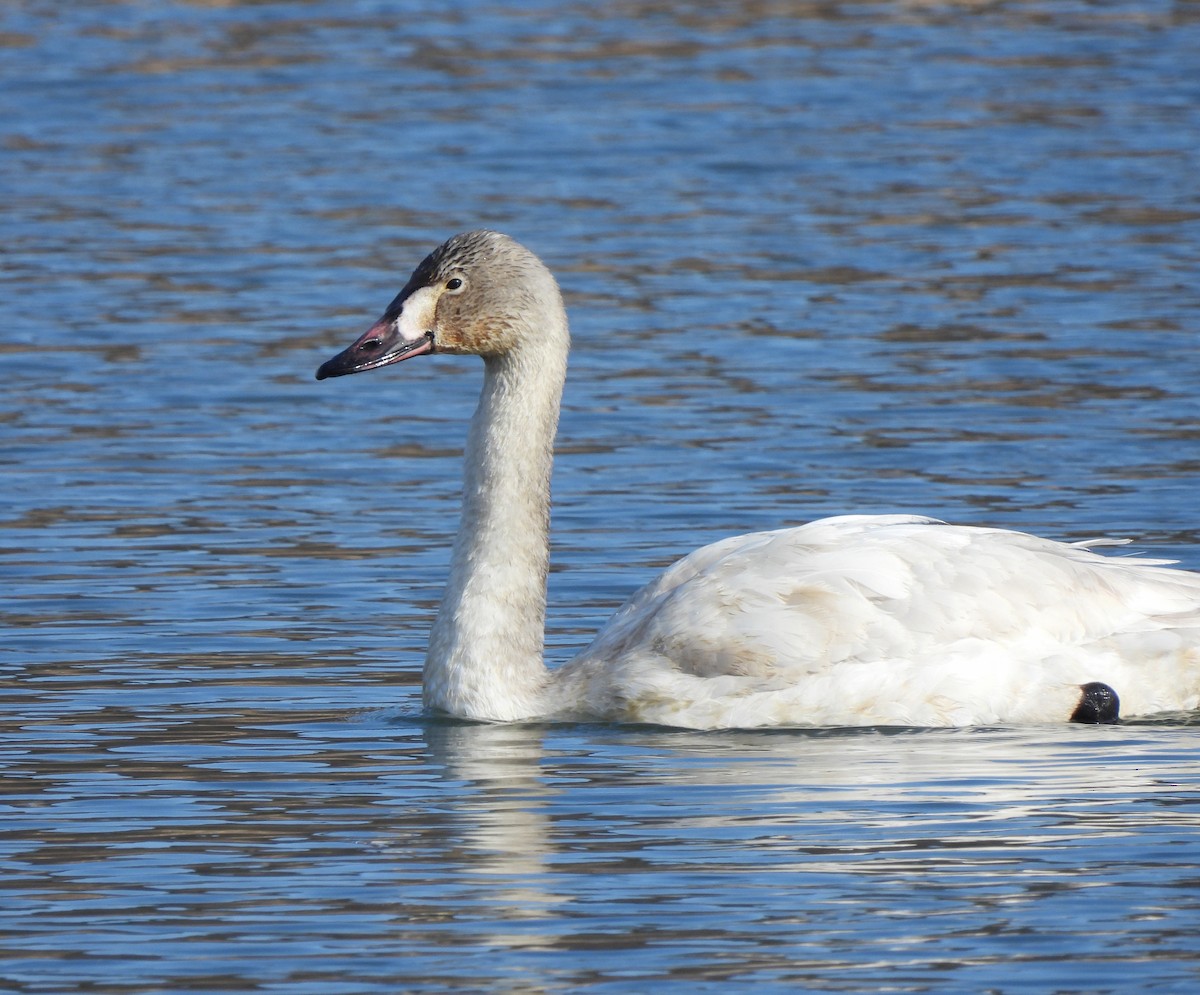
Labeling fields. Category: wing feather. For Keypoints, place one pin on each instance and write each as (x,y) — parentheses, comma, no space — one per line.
(862,609)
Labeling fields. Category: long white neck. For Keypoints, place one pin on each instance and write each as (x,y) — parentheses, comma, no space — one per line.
(485,650)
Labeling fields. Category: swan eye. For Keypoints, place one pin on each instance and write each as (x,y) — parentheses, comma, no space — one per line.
(454,283)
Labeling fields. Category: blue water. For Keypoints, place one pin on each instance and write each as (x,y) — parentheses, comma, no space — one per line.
(818,258)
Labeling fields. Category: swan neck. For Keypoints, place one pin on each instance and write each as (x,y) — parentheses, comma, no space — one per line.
(485,652)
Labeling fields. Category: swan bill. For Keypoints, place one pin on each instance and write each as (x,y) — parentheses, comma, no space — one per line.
(380,345)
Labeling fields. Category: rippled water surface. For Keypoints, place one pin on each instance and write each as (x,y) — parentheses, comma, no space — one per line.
(819,257)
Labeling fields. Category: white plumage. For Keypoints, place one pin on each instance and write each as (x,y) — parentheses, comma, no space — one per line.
(856,620)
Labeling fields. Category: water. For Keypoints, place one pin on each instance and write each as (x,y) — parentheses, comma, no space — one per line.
(818,258)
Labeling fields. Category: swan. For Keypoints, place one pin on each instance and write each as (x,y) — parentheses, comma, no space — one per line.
(895,620)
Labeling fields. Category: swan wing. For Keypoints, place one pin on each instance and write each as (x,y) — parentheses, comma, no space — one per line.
(900,618)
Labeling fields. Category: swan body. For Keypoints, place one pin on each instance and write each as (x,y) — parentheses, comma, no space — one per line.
(854,620)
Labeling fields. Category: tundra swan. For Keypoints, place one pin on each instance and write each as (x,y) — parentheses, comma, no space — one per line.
(854,620)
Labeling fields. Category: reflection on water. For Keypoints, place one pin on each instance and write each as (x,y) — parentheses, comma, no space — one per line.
(819,258)
(743,855)
(516,853)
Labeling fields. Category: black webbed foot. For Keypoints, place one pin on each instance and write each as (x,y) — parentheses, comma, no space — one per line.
(1098,705)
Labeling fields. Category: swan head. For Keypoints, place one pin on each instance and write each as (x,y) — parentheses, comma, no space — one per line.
(480,293)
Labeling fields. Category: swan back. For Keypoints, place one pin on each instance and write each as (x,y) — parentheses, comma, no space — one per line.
(895,620)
